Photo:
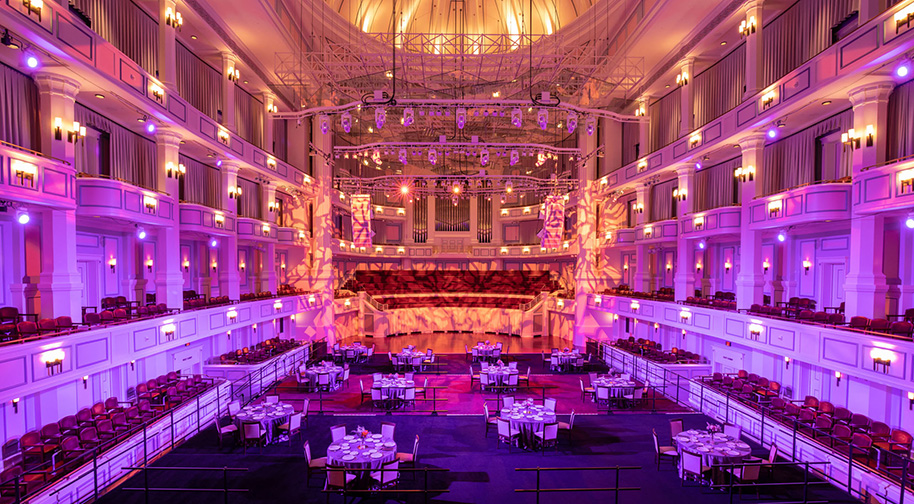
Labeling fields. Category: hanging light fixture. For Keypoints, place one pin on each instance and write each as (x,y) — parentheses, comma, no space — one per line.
(402,156)
(571,120)
(461,117)
(408,116)
(517,117)
(484,157)
(433,156)
(591,125)
(346,121)
(542,118)
(380,117)
(514,157)
(324,121)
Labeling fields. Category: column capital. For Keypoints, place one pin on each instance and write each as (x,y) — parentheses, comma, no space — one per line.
(168,138)
(753,5)
(268,97)
(871,93)
(753,141)
(685,169)
(58,84)
(229,57)
(230,167)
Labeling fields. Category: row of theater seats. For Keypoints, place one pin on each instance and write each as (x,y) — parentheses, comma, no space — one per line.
(903,328)
(413,281)
(45,455)
(259,353)
(837,427)
(201,302)
(653,351)
(250,296)
(661,294)
(15,326)
(444,300)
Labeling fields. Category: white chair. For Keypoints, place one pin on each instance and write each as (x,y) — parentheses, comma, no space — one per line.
(513,381)
(387,429)
(626,376)
(692,468)
(410,376)
(568,426)
(422,390)
(526,378)
(252,432)
(292,427)
(746,474)
(602,395)
(234,407)
(734,431)
(229,430)
(416,363)
(506,434)
(634,397)
(675,427)
(554,363)
(377,401)
(512,365)
(484,380)
(337,432)
(490,420)
(369,353)
(323,381)
(484,365)
(550,403)
(365,395)
(549,436)
(661,452)
(409,397)
(507,402)
(389,475)
(343,378)
(337,479)
(475,354)
(467,353)
(313,464)
(411,458)
(272,399)
(585,391)
(305,405)
(376,377)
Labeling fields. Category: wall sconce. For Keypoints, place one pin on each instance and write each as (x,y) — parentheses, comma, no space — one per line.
(277,305)
(232,315)
(174,19)
(698,267)
(560,303)
(906,179)
(527,210)
(745,174)
(682,79)
(747,27)
(679,194)
(301,236)
(234,191)
(361,249)
(806,265)
(271,206)
(169,331)
(669,267)
(852,137)
(755,331)
(133,365)
(768,99)
(73,135)
(635,306)
(504,251)
(347,303)
(379,250)
(401,250)
(58,128)
(727,265)
(15,403)
(642,165)
(311,299)
(186,265)
(33,6)
(786,362)
(766,265)
(112,262)
(214,266)
(904,18)
(266,230)
(219,220)
(23,171)
(837,378)
(526,251)
(639,208)
(157,92)
(882,357)
(86,381)
(694,140)
(625,266)
(565,245)
(149,265)
(604,180)
(150,204)
(53,361)
(241,266)
(774,208)
(272,108)
(598,299)
(282,266)
(224,136)
(698,223)
(233,74)
(271,163)
(911,400)
(656,327)
(640,112)
(504,212)
(685,316)
(648,231)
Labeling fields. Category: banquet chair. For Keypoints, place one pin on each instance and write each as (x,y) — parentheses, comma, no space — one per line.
(323,381)
(365,395)
(550,403)
(422,390)
(512,365)
(483,380)
(513,380)
(234,407)
(305,405)
(409,376)
(387,429)
(411,458)
(734,431)
(568,426)
(377,401)
(271,399)
(554,363)
(586,390)
(547,359)
(748,473)
(603,396)
(473,377)
(251,432)
(313,464)
(337,432)
(767,463)
(376,377)
(475,354)
(484,365)
(224,429)
(506,434)
(507,402)
(661,452)
(467,353)
(525,378)
(549,436)
(490,420)
(675,427)
(693,469)
(292,427)
(389,474)
(409,396)
(343,378)
(337,479)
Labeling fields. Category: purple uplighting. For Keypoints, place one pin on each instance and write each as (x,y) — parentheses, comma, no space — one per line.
(150,127)
(32,61)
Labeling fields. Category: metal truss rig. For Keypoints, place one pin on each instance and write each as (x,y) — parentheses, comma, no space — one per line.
(448,148)
(452,65)
(455,186)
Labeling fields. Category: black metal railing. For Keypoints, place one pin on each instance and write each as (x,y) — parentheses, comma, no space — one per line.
(347,490)
(147,490)
(616,489)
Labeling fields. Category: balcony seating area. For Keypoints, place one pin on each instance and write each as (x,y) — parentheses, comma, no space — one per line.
(835,317)
(41,456)
(412,281)
(192,300)
(251,296)
(661,294)
(450,300)
(652,350)
(258,353)
(867,441)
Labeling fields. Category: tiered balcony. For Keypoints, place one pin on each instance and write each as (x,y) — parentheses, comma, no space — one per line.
(715,222)
(205,220)
(885,188)
(104,197)
(28,177)
(820,202)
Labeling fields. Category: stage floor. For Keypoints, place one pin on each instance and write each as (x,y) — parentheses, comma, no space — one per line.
(454,342)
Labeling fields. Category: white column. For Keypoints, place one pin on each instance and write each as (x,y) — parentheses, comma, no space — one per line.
(59,282)
(585,274)
(168,277)
(754,50)
(750,281)
(644,127)
(58,100)
(687,121)
(641,280)
(683,278)
(268,268)
(229,62)
(866,285)
(868,9)
(322,272)
(227,271)
(269,100)
(167,56)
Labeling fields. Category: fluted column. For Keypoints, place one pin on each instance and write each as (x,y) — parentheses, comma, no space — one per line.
(269,101)
(644,127)
(754,50)
(683,278)
(229,62)
(58,101)
(687,121)
(227,275)
(641,280)
(750,281)
(167,56)
(169,280)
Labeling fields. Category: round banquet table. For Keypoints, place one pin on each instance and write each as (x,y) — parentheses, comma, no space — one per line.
(268,415)
(355,352)
(714,448)
(320,369)
(393,388)
(617,386)
(498,375)
(528,418)
(406,357)
(485,350)
(378,450)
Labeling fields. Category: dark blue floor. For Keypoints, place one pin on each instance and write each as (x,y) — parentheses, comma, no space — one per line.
(478,472)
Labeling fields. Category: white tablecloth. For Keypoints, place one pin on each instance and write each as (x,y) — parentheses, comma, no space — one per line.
(268,415)
(377,451)
(528,418)
(333,371)
(717,448)
(498,375)
(393,388)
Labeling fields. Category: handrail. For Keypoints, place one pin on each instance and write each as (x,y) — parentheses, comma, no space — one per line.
(118,179)
(374,303)
(842,180)
(887,163)
(33,152)
(539,298)
(616,489)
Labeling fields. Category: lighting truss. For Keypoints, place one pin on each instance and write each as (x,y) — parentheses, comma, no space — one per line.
(449,148)
(442,186)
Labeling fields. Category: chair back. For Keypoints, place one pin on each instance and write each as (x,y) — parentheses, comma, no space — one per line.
(307,449)
(734,431)
(387,429)
(295,422)
(234,407)
(391,472)
(656,441)
(675,427)
(551,431)
(691,463)
(750,472)
(507,401)
(550,403)
(338,431)
(250,430)
(504,427)
(336,478)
